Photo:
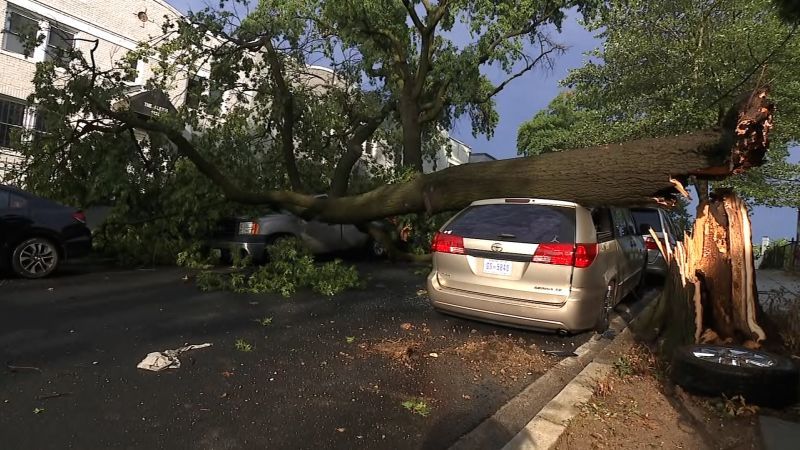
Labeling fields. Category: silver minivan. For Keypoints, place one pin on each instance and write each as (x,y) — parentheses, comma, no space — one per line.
(533,263)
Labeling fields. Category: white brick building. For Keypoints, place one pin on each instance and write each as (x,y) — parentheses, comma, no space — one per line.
(118,26)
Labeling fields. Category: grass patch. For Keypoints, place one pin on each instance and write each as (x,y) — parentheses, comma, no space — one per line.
(417,405)
(264,321)
(243,346)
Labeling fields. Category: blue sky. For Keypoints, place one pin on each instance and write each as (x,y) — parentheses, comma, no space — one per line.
(533,91)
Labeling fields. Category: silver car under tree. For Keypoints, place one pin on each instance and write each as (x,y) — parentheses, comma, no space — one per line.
(532,263)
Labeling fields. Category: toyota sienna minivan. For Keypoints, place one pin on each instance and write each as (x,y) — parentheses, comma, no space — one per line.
(539,264)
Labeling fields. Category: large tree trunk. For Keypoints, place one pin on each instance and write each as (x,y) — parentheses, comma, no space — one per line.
(412,135)
(710,294)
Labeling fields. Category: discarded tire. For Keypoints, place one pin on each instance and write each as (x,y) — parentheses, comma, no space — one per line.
(761,378)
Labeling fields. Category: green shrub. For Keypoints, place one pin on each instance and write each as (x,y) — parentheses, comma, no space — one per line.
(211,281)
(334,277)
(291,267)
(195,257)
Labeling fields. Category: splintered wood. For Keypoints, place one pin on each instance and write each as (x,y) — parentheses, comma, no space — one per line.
(715,262)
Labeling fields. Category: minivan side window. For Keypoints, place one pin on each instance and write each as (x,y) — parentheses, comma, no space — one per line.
(629,220)
(621,225)
(4,195)
(602,224)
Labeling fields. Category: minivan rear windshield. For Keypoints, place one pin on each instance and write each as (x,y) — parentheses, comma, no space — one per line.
(648,217)
(531,224)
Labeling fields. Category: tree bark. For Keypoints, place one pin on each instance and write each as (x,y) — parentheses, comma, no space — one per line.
(412,134)
(710,295)
(285,100)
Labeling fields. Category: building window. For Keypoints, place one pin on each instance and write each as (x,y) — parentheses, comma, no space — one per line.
(60,43)
(194,91)
(196,88)
(18,33)
(12,117)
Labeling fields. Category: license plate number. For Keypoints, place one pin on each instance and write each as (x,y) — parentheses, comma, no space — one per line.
(495,267)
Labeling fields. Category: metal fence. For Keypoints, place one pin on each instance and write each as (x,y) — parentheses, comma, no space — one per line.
(786,257)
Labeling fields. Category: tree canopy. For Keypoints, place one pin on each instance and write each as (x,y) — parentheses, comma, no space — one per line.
(403,70)
(670,67)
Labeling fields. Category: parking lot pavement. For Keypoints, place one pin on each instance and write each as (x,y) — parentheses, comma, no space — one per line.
(322,372)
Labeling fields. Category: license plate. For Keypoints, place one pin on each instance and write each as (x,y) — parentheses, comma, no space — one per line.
(495,267)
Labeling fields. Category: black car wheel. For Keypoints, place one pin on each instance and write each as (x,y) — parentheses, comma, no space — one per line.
(604,319)
(376,249)
(760,377)
(35,258)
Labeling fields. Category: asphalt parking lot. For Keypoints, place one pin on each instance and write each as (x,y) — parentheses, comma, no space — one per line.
(321,372)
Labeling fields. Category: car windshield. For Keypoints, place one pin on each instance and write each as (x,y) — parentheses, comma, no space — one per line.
(516,222)
(648,217)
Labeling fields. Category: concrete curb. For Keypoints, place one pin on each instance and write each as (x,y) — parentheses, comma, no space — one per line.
(552,395)
(544,430)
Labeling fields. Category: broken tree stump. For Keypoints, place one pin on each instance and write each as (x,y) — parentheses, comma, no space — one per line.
(711,287)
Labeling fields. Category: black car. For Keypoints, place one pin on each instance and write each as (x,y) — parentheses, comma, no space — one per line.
(36,234)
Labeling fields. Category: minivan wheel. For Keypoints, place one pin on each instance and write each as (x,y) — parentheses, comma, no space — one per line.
(604,318)
(35,258)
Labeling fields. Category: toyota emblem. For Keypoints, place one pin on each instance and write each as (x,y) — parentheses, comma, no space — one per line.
(497,247)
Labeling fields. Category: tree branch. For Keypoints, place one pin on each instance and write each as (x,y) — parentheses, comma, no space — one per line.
(529,66)
(487,54)
(354,150)
(293,201)
(756,67)
(286,101)
(414,16)
(432,109)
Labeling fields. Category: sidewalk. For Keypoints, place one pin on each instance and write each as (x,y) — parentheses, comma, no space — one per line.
(778,290)
(623,401)
(633,409)
(770,280)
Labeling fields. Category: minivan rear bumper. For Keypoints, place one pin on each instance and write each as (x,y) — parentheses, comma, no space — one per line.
(578,313)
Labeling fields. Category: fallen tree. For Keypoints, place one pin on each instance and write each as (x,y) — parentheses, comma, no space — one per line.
(637,172)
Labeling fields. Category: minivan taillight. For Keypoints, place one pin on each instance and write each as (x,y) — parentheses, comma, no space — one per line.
(585,255)
(577,255)
(447,243)
(79,216)
(650,243)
